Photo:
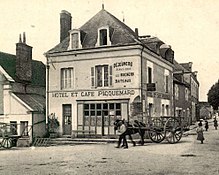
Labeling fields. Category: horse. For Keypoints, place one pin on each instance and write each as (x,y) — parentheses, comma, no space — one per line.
(131,129)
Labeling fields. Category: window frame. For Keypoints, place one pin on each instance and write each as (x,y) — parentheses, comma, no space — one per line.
(67,78)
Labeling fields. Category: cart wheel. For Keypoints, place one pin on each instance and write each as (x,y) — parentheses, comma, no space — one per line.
(7,143)
(156,135)
(173,130)
(156,132)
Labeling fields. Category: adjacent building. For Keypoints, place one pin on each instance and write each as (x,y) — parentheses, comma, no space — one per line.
(22,92)
(181,94)
(190,77)
(103,71)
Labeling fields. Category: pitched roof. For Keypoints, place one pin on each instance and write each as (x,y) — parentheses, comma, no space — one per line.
(8,63)
(120,33)
(35,101)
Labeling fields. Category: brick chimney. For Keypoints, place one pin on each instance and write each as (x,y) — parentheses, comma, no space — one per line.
(65,24)
(23,60)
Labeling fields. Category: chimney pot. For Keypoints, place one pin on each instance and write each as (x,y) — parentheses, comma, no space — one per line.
(65,24)
(136,31)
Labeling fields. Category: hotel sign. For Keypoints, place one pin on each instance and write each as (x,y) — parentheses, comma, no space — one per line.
(100,93)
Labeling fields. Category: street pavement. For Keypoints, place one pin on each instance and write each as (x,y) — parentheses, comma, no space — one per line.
(188,156)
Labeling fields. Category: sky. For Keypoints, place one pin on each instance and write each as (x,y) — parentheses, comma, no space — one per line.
(191,27)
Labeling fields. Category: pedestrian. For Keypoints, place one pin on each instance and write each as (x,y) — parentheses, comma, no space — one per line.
(215,123)
(122,137)
(206,125)
(200,135)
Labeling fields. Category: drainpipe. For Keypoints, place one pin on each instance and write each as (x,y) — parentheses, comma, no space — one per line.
(142,85)
(47,89)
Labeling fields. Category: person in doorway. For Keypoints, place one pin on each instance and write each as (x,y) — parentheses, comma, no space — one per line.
(122,136)
(206,125)
(200,135)
(215,123)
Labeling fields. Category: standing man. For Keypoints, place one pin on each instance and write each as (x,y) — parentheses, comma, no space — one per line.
(122,137)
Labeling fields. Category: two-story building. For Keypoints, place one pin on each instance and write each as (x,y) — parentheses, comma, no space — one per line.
(190,77)
(22,92)
(182,95)
(104,71)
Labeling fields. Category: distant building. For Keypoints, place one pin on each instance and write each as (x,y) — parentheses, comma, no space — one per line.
(104,71)
(205,110)
(22,91)
(182,100)
(190,77)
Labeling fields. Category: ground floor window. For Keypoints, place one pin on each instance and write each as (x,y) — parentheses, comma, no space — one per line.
(13,127)
(95,112)
(100,116)
(24,128)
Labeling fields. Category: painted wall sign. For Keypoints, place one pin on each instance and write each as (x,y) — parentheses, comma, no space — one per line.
(123,72)
(100,93)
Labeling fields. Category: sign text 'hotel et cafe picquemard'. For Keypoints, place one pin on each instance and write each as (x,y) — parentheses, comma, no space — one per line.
(123,74)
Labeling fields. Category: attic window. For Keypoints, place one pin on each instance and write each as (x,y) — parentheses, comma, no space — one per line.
(103,37)
(75,42)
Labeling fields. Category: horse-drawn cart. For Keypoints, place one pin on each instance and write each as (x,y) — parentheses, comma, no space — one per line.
(169,128)
(158,128)
(7,139)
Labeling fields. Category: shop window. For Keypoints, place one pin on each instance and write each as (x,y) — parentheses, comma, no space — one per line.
(95,114)
(102,76)
(67,78)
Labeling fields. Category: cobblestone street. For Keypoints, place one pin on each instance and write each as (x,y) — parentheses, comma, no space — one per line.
(186,157)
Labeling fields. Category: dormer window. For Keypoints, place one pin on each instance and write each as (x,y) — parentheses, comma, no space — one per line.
(75,42)
(103,38)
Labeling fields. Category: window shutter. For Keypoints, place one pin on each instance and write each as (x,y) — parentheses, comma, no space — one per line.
(92,77)
(110,76)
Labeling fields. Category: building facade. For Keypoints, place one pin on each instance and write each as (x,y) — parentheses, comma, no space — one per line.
(104,71)
(22,92)
(190,77)
(182,94)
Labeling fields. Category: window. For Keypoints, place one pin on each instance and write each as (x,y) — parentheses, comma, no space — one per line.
(95,112)
(162,110)
(75,40)
(24,128)
(13,127)
(186,94)
(166,83)
(167,110)
(66,78)
(103,37)
(176,92)
(102,76)
(149,75)
(104,34)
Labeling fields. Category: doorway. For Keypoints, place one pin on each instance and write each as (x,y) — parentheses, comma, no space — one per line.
(67,119)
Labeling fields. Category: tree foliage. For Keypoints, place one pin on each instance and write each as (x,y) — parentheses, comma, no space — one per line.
(213,96)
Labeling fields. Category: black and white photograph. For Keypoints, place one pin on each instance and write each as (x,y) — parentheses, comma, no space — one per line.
(106,87)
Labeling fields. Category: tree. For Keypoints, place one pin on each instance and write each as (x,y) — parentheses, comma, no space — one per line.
(213,96)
